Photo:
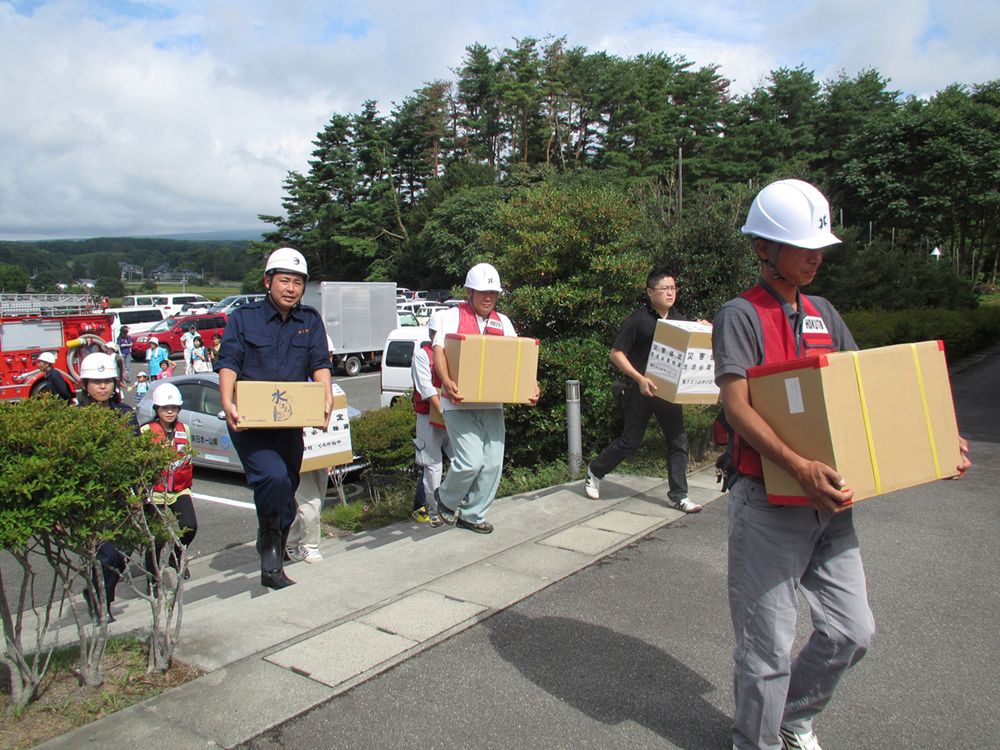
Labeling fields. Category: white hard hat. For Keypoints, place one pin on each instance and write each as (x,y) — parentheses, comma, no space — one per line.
(483,278)
(434,323)
(792,212)
(167,395)
(288,260)
(98,366)
(48,357)
(153,340)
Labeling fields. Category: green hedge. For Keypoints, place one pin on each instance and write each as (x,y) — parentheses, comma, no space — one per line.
(963,331)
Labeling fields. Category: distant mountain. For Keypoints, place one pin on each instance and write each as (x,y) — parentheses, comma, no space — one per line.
(221,235)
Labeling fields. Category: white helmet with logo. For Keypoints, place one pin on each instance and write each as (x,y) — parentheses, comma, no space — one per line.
(98,366)
(288,260)
(48,357)
(167,395)
(791,212)
(483,278)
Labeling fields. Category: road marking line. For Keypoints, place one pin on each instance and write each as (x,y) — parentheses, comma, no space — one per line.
(224,501)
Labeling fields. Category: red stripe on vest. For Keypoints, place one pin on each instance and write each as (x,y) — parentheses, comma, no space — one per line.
(779,346)
(421,405)
(468,322)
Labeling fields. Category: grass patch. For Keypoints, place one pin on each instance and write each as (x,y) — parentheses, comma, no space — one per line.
(386,500)
(62,705)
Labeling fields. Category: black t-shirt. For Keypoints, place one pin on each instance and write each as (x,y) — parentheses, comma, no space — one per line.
(636,335)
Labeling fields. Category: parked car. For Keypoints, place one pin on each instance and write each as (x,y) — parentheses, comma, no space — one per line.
(168,332)
(228,304)
(423,314)
(191,307)
(171,304)
(202,412)
(397,357)
(138,319)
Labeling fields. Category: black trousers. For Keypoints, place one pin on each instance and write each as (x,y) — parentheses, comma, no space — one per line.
(638,410)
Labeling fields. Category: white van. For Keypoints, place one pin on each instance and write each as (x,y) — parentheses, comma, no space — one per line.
(138,319)
(171,304)
(397,357)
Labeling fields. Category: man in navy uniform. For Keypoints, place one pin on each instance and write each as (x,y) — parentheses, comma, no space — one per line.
(274,339)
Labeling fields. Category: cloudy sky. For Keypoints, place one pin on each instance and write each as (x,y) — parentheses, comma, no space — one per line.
(174,116)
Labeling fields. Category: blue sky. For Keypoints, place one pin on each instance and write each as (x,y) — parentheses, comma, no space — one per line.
(123,117)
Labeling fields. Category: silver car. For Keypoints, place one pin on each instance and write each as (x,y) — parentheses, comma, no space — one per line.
(202,413)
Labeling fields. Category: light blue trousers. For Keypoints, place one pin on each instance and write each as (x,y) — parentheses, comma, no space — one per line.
(774,551)
(477,440)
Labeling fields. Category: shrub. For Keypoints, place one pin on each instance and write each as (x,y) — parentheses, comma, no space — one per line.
(963,331)
(384,437)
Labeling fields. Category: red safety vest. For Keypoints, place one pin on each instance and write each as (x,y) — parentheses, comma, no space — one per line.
(779,346)
(179,478)
(468,322)
(420,405)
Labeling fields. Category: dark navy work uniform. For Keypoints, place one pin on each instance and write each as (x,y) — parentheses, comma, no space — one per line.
(58,384)
(258,345)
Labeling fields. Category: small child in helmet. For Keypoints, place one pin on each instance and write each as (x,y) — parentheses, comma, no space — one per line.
(99,389)
(141,386)
(174,488)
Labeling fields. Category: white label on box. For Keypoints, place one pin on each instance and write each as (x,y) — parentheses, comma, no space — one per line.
(665,362)
(793,389)
(699,372)
(692,326)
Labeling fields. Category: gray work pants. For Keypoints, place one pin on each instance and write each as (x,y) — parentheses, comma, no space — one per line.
(774,551)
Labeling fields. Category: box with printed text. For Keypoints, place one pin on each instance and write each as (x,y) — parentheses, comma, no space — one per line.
(883,418)
(272,404)
(681,362)
(332,446)
(493,369)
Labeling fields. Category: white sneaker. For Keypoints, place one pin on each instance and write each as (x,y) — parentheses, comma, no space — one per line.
(684,505)
(792,741)
(310,553)
(295,554)
(592,486)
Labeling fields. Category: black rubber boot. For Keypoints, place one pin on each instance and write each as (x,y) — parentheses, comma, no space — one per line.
(271,547)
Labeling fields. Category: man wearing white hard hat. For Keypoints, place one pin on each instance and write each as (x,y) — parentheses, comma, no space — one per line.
(775,550)
(273,339)
(431,441)
(58,384)
(476,430)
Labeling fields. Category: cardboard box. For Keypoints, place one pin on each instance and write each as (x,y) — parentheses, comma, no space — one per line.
(493,369)
(883,418)
(681,363)
(332,446)
(269,404)
(435,417)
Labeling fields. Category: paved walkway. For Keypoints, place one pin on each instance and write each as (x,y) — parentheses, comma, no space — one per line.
(376,600)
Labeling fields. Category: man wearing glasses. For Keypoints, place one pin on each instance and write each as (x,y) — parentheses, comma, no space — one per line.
(629,354)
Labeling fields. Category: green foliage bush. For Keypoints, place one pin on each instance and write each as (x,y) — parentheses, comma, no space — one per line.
(384,437)
(963,331)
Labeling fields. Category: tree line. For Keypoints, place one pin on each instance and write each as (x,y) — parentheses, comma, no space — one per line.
(409,196)
(40,266)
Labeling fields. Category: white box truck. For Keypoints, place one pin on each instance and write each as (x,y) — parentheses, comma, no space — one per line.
(358,316)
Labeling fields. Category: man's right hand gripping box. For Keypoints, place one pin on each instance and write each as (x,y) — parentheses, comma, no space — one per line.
(883,418)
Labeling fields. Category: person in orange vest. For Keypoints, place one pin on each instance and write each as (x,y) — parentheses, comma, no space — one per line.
(476,430)
(775,551)
(174,488)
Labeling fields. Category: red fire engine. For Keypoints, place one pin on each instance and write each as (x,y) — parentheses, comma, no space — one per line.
(30,324)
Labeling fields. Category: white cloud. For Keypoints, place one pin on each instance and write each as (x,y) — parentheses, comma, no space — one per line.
(185,115)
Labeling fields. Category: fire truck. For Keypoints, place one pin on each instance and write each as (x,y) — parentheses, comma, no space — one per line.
(70,326)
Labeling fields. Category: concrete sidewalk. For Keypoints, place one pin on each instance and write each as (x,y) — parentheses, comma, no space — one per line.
(376,600)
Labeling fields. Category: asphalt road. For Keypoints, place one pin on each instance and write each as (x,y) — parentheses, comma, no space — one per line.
(635,651)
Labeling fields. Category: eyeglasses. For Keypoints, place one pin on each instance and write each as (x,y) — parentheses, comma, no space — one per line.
(663,288)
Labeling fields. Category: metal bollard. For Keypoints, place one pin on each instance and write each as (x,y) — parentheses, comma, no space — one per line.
(573,426)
